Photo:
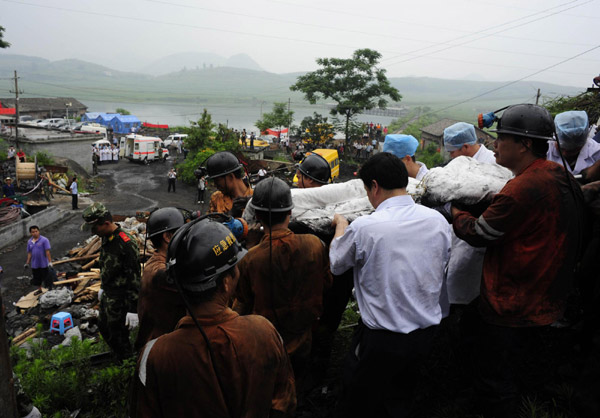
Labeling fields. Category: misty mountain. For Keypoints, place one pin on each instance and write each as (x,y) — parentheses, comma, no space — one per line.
(198,61)
(229,85)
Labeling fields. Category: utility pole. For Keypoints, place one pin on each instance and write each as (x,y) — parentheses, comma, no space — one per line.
(537,97)
(17,116)
(289,118)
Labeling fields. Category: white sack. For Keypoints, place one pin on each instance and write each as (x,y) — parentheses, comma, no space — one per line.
(316,206)
(463,180)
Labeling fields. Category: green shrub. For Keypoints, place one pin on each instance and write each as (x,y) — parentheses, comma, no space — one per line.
(63,379)
(43,158)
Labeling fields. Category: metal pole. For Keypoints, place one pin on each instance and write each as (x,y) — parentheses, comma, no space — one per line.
(18,117)
(537,97)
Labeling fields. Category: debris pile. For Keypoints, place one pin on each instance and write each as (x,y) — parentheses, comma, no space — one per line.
(76,291)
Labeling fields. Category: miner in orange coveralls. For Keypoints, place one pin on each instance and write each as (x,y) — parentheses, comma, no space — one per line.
(233,192)
(284,276)
(159,305)
(216,363)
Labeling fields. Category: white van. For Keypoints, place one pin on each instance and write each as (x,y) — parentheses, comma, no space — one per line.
(94,129)
(143,148)
(171,140)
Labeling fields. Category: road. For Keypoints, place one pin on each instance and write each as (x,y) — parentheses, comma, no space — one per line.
(125,188)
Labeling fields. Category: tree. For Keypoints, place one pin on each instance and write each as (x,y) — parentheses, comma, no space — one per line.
(316,129)
(354,84)
(122,111)
(278,118)
(200,133)
(3,44)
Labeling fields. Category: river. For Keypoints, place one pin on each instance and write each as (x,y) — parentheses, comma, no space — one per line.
(242,116)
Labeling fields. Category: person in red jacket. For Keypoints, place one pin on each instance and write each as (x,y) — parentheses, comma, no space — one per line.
(532,230)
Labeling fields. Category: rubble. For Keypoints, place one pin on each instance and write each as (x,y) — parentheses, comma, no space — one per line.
(77,295)
(69,334)
(57,297)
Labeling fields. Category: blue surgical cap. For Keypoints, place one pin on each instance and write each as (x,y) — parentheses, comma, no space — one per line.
(572,129)
(400,145)
(457,135)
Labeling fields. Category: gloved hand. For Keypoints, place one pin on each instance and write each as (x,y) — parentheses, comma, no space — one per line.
(50,264)
(239,204)
(100,294)
(26,265)
(131,320)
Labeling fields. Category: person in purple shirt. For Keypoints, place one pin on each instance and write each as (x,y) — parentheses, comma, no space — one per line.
(38,256)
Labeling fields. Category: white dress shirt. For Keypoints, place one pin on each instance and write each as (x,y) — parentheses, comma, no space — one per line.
(588,155)
(399,254)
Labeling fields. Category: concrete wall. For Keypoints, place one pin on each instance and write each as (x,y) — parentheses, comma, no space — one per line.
(17,231)
(77,148)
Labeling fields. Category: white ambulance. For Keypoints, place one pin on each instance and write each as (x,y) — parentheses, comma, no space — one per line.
(143,149)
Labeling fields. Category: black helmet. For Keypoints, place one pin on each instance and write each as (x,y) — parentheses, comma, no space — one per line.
(199,252)
(222,163)
(316,167)
(163,220)
(272,194)
(527,120)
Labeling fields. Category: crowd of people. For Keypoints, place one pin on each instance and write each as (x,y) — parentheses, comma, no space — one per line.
(243,325)
(105,154)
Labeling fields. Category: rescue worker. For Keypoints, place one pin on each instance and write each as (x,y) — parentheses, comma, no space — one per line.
(461,139)
(404,147)
(464,268)
(120,276)
(531,231)
(313,171)
(159,306)
(226,171)
(578,150)
(216,363)
(399,254)
(284,276)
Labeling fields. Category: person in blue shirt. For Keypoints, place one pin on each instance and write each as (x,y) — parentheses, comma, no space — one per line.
(8,190)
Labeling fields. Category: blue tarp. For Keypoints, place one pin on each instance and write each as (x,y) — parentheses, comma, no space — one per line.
(125,124)
(120,124)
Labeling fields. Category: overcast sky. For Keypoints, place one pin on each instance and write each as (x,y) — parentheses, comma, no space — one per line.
(467,39)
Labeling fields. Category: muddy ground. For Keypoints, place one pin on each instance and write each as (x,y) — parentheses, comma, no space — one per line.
(124,188)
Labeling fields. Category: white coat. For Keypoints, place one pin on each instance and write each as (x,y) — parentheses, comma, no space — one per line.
(466,263)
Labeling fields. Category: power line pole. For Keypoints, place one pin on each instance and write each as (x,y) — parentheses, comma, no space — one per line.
(537,97)
(289,118)
(17,116)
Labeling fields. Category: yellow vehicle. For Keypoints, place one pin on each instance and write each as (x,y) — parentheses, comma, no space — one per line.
(331,156)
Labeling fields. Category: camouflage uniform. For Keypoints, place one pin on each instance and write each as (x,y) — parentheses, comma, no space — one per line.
(120,276)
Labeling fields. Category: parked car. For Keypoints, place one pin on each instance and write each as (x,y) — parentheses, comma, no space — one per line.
(171,140)
(46,122)
(59,124)
(33,122)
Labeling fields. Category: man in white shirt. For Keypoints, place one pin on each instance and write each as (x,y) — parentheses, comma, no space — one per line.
(404,147)
(399,254)
(74,193)
(466,262)
(579,151)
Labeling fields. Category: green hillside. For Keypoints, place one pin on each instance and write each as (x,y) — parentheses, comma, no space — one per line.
(237,86)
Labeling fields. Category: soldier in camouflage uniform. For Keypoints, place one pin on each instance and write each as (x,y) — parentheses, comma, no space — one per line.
(120,275)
